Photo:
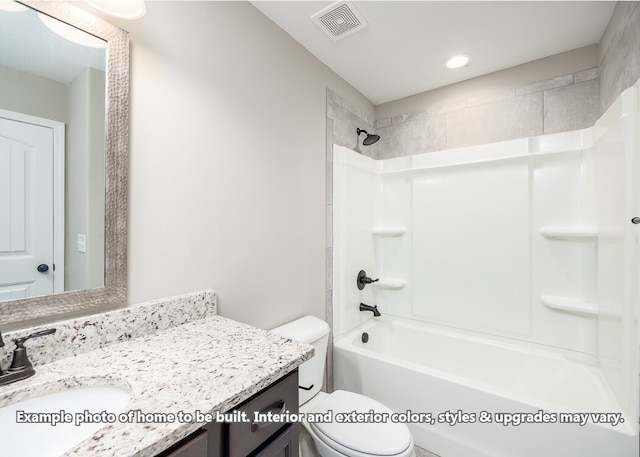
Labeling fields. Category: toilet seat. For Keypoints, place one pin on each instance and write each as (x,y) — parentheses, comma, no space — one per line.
(361,439)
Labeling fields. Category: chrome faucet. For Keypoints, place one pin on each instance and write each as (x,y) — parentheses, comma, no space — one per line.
(373,309)
(21,367)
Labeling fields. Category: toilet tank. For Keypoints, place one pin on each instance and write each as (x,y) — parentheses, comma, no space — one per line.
(314,331)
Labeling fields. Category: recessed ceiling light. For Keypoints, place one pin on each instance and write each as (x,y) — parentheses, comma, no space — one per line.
(458,61)
(124,9)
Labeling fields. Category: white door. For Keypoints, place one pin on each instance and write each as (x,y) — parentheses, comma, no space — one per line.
(26,208)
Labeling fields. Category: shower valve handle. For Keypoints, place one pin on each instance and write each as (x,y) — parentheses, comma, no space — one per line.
(363,280)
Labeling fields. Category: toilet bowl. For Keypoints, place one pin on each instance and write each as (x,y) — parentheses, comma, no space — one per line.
(341,423)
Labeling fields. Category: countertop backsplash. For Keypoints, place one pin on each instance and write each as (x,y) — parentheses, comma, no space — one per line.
(87,333)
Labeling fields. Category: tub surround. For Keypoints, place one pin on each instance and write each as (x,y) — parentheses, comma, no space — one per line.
(542,208)
(208,364)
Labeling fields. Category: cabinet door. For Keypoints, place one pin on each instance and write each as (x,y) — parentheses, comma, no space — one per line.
(194,445)
(285,445)
(244,437)
(215,439)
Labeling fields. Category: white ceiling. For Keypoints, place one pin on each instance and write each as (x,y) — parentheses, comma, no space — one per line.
(403,50)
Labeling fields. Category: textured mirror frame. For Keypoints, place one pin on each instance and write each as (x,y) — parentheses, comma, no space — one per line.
(16,313)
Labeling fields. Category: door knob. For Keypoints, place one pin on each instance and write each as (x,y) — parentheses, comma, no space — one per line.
(636,220)
(43,268)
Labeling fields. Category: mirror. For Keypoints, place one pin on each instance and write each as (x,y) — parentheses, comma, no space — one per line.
(73,204)
(51,119)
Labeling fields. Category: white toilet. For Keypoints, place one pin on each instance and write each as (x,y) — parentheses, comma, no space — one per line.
(334,439)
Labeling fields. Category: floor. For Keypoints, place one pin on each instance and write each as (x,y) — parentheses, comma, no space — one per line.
(423,453)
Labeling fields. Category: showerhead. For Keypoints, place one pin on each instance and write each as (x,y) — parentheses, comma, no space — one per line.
(370,138)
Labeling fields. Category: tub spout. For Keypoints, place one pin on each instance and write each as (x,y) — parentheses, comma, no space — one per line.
(373,309)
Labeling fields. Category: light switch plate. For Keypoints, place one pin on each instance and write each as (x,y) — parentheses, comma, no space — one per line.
(82,243)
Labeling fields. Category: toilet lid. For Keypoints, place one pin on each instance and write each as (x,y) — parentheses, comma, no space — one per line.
(385,438)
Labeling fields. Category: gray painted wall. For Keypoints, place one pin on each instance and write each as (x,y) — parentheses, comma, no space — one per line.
(227,161)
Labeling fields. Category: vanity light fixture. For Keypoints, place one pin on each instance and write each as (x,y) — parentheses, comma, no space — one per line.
(68,32)
(124,9)
(458,61)
(10,5)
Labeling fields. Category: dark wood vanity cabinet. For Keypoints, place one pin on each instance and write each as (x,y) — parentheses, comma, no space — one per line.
(194,445)
(249,438)
(245,438)
(285,444)
(282,444)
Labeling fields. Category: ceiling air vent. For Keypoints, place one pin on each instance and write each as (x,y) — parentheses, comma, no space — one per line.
(340,20)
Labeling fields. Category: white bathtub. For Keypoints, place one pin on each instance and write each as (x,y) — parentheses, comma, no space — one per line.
(432,369)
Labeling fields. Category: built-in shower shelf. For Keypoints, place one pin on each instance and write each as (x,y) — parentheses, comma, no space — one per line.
(570,305)
(568,232)
(389,231)
(390,283)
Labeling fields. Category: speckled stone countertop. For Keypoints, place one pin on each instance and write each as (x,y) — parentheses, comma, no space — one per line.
(211,364)
(87,333)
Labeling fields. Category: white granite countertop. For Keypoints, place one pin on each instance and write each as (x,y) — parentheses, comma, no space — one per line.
(208,365)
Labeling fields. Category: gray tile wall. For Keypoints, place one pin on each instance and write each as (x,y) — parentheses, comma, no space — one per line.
(346,117)
(619,53)
(562,103)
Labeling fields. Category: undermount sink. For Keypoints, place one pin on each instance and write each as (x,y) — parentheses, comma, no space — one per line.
(28,439)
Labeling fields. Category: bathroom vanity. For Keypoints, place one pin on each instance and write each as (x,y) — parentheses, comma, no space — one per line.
(239,439)
(171,356)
